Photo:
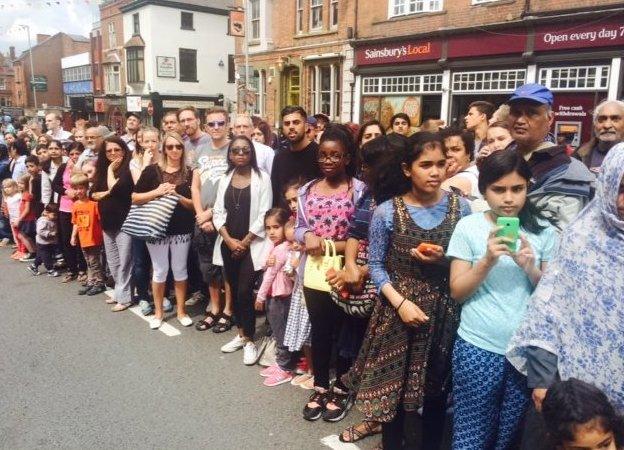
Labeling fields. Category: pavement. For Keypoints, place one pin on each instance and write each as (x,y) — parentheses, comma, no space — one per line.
(74,375)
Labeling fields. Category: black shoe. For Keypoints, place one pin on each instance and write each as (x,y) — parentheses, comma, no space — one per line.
(343,401)
(33,269)
(315,413)
(85,289)
(96,289)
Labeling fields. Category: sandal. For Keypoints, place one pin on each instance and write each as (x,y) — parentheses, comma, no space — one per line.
(222,327)
(354,435)
(82,277)
(68,277)
(202,325)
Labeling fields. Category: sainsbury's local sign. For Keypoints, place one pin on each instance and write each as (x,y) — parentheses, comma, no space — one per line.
(398,53)
(571,36)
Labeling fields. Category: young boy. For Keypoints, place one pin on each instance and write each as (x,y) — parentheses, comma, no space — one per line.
(87,229)
(47,239)
(33,167)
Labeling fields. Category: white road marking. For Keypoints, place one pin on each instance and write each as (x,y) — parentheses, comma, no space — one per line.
(166,328)
(333,442)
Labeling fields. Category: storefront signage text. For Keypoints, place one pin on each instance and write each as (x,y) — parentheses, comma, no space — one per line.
(398,53)
(593,35)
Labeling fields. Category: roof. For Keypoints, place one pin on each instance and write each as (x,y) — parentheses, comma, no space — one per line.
(73,37)
(219,7)
(78,38)
(135,41)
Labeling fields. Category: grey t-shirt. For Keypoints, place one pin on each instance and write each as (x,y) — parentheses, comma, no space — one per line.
(193,147)
(211,164)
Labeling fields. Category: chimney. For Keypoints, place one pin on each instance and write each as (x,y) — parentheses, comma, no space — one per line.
(12,53)
(42,37)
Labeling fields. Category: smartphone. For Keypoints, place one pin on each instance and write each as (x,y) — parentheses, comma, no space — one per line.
(510,229)
(426,248)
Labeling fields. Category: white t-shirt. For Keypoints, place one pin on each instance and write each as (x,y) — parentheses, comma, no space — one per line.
(60,134)
(13,205)
(264,155)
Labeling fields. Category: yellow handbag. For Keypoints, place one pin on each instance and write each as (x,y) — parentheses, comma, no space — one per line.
(316,267)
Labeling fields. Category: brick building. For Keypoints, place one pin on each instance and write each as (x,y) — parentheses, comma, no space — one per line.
(431,58)
(7,78)
(299,53)
(47,55)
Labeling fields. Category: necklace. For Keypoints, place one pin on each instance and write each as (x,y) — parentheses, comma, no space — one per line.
(235,199)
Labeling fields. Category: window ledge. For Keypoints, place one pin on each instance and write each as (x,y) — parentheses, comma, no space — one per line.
(187,29)
(315,33)
(410,16)
(492,3)
(254,42)
(189,81)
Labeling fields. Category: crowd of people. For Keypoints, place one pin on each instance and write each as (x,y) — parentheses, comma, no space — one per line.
(461,286)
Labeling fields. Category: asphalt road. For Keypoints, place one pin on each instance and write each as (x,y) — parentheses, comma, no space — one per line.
(74,375)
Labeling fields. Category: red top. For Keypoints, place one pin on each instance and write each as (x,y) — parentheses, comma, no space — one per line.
(27,198)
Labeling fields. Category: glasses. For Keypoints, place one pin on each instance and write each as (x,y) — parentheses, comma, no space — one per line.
(215,124)
(174,146)
(240,150)
(330,158)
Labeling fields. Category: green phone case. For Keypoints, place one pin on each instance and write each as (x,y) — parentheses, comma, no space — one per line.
(510,229)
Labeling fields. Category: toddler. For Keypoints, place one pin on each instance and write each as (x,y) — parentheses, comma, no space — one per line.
(25,222)
(12,199)
(47,240)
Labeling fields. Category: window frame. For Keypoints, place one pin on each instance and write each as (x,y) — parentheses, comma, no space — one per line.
(316,6)
(188,51)
(398,8)
(187,14)
(111,74)
(299,17)
(481,2)
(254,20)
(112,35)
(136,24)
(3,84)
(505,81)
(334,14)
(331,72)
(135,65)
(601,77)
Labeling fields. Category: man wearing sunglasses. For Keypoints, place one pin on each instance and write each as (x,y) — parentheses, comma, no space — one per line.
(243,126)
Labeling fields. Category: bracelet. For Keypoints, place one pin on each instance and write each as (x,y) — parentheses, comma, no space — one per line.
(400,304)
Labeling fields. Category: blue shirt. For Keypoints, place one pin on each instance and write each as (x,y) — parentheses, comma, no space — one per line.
(490,316)
(382,226)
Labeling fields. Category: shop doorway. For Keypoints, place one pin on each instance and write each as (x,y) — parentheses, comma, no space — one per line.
(459,105)
(292,86)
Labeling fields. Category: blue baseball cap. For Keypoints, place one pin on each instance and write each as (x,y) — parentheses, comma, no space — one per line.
(534,92)
(312,121)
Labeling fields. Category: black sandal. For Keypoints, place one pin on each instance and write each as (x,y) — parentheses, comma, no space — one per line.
(355,435)
(202,325)
(222,327)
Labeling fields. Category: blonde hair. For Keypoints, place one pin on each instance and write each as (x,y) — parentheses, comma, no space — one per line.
(79,179)
(148,129)
(9,183)
(164,158)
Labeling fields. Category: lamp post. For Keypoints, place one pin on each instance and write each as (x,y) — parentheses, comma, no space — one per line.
(32,67)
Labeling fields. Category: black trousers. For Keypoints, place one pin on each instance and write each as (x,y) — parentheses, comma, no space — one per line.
(242,278)
(74,258)
(45,255)
(411,431)
(326,319)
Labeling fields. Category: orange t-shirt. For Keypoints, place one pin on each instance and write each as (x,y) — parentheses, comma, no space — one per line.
(86,217)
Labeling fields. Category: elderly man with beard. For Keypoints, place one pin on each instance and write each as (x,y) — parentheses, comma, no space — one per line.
(243,126)
(608,131)
(94,136)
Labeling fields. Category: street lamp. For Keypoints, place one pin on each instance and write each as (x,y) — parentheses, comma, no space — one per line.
(32,67)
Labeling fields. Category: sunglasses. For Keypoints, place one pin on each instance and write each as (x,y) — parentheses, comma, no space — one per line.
(215,124)
(240,150)
(174,146)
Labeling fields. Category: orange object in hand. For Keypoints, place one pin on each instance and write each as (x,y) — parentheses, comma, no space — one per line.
(427,249)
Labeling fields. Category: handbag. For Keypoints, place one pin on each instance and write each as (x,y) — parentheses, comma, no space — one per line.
(149,221)
(359,304)
(316,267)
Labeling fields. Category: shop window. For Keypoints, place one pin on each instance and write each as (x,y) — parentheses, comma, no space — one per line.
(112,79)
(134,63)
(488,81)
(576,78)
(188,65)
(333,14)
(404,7)
(255,19)
(325,93)
(186,20)
(299,17)
(136,25)
(112,35)
(316,14)
(406,84)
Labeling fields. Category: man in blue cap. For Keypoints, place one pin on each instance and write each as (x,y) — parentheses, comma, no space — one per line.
(561,186)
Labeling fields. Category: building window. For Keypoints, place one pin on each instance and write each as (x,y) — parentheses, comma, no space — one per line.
(188,64)
(112,79)
(112,35)
(325,92)
(587,78)
(299,17)
(488,81)
(82,73)
(403,7)
(333,14)
(2,84)
(255,19)
(136,69)
(316,14)
(231,69)
(136,25)
(186,19)
(407,84)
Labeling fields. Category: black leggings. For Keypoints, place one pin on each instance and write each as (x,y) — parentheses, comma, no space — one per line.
(326,319)
(242,278)
(74,259)
(411,431)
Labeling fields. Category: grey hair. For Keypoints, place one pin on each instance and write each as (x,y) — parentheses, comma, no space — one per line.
(617,103)
(246,117)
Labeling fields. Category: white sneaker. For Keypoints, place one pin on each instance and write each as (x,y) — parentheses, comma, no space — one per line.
(155,323)
(185,321)
(235,344)
(250,354)
(195,298)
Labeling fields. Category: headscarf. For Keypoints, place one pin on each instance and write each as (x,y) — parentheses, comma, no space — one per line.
(577,310)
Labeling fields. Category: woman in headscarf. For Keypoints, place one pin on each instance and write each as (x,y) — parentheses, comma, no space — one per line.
(574,325)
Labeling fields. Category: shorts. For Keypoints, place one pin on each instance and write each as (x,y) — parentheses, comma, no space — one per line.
(204,247)
(28,228)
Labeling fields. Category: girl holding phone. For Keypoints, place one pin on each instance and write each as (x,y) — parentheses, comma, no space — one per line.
(494,283)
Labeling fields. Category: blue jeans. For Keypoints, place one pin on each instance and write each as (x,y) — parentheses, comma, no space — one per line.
(141,277)
(5,228)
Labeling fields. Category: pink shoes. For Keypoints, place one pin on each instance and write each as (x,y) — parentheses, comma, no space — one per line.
(278,377)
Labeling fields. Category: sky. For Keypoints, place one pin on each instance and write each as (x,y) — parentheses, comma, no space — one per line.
(43,17)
